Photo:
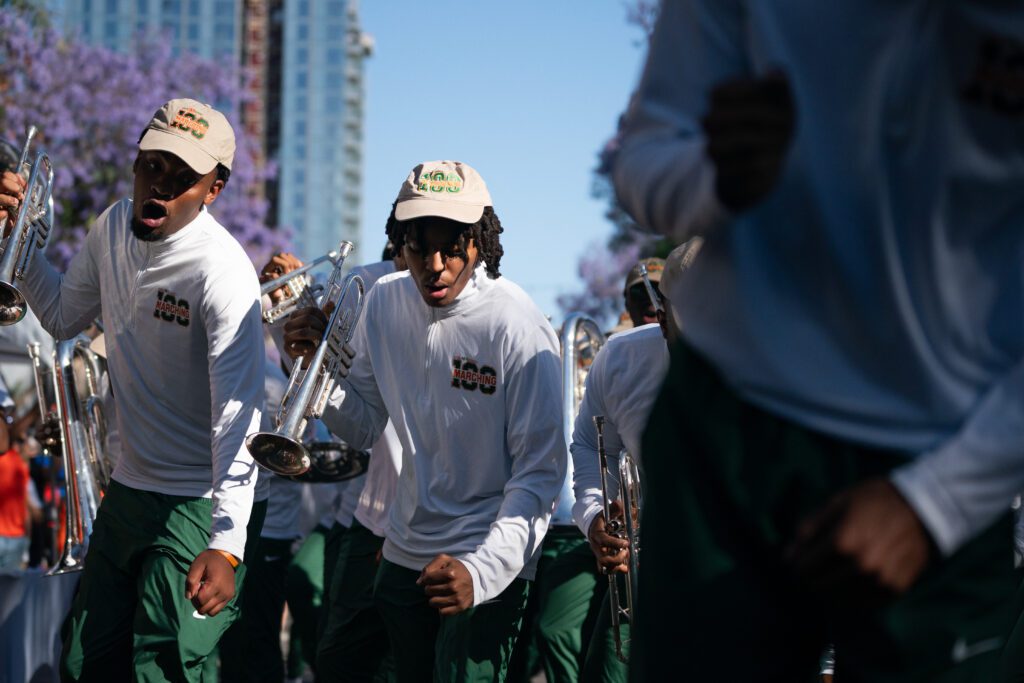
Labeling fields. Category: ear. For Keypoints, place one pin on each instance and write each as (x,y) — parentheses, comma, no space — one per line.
(471,244)
(214,191)
(400,263)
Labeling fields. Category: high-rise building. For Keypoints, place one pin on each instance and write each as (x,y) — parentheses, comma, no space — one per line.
(255,43)
(320,122)
(208,28)
(305,60)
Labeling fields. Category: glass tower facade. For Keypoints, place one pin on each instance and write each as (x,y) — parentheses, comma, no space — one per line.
(208,28)
(319,146)
(307,60)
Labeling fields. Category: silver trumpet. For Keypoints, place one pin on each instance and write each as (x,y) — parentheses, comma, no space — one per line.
(627,527)
(282,451)
(31,230)
(74,384)
(300,292)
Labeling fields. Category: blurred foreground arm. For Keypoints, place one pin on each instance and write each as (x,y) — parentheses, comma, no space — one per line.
(703,135)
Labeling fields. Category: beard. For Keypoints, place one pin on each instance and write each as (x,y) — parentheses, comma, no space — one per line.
(143,232)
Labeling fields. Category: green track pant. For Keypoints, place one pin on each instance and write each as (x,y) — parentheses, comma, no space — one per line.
(602,663)
(250,651)
(332,546)
(1012,666)
(304,589)
(727,484)
(130,619)
(474,645)
(564,602)
(355,644)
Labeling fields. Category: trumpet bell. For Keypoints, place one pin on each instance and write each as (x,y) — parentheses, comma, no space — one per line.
(334,462)
(72,560)
(12,304)
(278,453)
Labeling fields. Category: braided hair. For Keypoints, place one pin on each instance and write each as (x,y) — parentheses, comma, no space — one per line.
(484,234)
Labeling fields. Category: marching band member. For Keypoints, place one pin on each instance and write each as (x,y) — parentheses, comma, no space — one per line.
(621,386)
(355,644)
(637,302)
(348,498)
(304,585)
(567,594)
(850,388)
(181,313)
(353,641)
(467,369)
(250,650)
(16,371)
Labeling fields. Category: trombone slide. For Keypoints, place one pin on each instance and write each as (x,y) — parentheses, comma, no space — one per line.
(627,528)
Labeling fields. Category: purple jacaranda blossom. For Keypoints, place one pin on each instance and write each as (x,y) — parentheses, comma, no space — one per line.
(90,105)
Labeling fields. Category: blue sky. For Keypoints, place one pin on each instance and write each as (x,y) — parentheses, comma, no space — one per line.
(525,92)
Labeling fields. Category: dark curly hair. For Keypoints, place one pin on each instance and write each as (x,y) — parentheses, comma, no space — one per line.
(484,233)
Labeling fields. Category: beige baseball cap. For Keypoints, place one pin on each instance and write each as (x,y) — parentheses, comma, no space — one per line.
(681,258)
(448,189)
(654,268)
(194,132)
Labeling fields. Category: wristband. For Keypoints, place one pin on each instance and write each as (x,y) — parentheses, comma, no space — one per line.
(232,560)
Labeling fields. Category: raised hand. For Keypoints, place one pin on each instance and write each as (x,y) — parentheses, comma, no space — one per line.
(749,127)
(278,265)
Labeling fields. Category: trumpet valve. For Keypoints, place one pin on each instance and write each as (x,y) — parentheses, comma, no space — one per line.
(48,433)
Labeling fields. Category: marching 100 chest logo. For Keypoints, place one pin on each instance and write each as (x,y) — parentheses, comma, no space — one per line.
(171,308)
(469,375)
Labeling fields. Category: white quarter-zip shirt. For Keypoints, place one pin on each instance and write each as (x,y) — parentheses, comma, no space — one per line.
(621,385)
(875,294)
(381,482)
(474,392)
(181,318)
(374,503)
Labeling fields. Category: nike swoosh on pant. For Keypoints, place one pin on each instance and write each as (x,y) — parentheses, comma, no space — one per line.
(962,651)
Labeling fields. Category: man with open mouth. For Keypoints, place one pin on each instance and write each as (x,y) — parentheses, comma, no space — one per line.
(467,368)
(179,301)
